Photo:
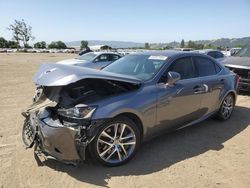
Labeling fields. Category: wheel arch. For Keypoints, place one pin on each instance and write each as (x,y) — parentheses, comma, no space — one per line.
(230,92)
(135,119)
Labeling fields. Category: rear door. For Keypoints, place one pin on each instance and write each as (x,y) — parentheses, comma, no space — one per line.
(179,105)
(212,82)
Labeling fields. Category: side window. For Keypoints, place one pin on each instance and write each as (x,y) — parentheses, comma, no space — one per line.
(205,66)
(114,57)
(185,67)
(103,57)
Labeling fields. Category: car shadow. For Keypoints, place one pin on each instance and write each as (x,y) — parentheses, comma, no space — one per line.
(164,151)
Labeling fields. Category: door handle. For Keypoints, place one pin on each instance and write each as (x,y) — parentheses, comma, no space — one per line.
(200,89)
(197,89)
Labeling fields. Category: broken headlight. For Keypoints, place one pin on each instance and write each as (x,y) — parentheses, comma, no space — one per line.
(77,112)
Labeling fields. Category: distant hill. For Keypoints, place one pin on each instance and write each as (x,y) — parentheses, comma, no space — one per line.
(224,42)
(113,44)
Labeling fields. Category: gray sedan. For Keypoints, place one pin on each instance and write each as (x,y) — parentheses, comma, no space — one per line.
(96,60)
(109,113)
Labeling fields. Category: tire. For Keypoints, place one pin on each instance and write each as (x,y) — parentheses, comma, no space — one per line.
(115,152)
(226,108)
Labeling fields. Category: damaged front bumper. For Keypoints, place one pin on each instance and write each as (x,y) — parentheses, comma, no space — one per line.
(52,138)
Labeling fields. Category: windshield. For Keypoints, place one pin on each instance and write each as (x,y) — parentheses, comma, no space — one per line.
(244,52)
(143,67)
(87,57)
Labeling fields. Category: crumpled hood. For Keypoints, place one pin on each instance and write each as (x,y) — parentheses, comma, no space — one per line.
(61,75)
(237,61)
(71,61)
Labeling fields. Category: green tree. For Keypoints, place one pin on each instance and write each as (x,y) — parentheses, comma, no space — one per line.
(182,43)
(146,46)
(199,46)
(21,32)
(57,45)
(13,44)
(84,44)
(209,46)
(191,44)
(3,43)
(167,47)
(41,45)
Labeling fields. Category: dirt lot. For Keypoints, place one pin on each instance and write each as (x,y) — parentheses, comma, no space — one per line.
(209,154)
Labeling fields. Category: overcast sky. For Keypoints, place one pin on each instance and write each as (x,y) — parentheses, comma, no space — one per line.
(129,20)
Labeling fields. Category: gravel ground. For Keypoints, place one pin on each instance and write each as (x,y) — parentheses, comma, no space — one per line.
(209,154)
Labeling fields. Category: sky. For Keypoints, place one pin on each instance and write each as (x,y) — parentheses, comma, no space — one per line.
(128,20)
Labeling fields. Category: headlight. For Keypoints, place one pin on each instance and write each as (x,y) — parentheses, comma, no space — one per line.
(77,112)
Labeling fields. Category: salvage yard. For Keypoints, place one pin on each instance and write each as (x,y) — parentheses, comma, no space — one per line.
(209,154)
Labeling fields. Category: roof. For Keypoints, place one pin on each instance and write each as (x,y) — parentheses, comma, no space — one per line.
(103,52)
(168,53)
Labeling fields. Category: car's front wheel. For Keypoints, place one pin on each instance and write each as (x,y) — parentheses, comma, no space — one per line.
(116,143)
(226,107)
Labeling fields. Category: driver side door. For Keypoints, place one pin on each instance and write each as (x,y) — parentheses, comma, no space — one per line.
(179,105)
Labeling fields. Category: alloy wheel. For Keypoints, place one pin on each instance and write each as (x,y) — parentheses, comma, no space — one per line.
(116,143)
(227,106)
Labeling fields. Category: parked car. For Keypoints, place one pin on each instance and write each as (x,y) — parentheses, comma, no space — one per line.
(87,50)
(240,64)
(96,60)
(216,54)
(110,112)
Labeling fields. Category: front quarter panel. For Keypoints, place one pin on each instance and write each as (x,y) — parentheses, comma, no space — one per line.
(141,102)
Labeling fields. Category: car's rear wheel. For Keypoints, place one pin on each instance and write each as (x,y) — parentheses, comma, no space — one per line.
(226,108)
(116,143)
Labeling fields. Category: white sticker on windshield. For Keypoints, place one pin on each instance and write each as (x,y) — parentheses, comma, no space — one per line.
(158,57)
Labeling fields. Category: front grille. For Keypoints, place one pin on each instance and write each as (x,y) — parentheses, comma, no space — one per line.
(243,73)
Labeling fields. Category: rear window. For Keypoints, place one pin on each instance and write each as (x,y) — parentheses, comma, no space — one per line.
(205,66)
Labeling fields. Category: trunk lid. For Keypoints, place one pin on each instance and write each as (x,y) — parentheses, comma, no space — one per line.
(241,62)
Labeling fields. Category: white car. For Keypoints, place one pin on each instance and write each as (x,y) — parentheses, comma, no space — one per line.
(96,60)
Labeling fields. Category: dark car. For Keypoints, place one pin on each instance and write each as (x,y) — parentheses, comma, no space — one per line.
(109,113)
(240,64)
(216,54)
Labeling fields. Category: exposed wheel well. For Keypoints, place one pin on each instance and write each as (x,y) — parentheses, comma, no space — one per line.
(135,119)
(234,96)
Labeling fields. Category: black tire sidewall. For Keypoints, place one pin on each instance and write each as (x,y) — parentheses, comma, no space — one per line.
(120,119)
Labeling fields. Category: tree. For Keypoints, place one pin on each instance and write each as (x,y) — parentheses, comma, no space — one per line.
(84,44)
(3,43)
(146,46)
(209,46)
(191,44)
(21,32)
(13,44)
(182,43)
(199,46)
(167,47)
(41,45)
(57,45)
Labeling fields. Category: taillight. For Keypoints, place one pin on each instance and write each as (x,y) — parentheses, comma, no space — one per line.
(237,80)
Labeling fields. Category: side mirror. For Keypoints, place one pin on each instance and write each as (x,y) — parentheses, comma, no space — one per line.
(173,77)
